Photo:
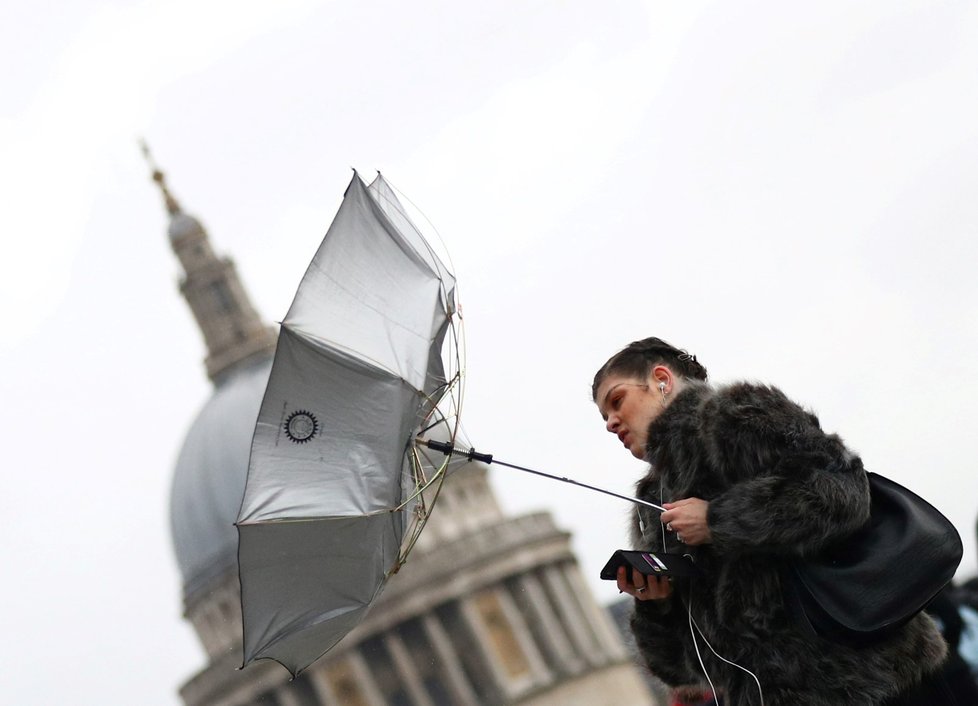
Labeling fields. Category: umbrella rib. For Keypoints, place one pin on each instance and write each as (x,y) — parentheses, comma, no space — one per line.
(377,195)
(315,518)
(439,473)
(340,348)
(423,513)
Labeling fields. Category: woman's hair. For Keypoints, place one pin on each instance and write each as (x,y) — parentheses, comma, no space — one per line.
(639,357)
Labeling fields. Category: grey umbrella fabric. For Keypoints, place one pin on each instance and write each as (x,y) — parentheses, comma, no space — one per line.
(331,485)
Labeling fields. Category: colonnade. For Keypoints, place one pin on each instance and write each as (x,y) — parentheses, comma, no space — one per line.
(494,646)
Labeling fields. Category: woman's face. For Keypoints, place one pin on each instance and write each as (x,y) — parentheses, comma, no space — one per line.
(628,405)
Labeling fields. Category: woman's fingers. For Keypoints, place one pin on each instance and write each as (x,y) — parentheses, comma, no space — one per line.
(657,589)
(623,585)
(687,518)
(642,587)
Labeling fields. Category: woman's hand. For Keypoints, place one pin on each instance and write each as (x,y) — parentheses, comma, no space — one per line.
(644,588)
(687,518)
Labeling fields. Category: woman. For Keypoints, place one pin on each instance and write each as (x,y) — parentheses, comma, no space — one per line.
(749,480)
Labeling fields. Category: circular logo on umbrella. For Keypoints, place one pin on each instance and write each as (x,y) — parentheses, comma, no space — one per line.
(301,426)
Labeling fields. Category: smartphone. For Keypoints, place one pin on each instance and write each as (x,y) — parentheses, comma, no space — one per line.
(650,564)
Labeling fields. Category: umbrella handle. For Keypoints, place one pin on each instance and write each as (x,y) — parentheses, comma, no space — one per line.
(447,449)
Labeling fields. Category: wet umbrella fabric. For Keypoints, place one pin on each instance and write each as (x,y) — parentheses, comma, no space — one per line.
(357,370)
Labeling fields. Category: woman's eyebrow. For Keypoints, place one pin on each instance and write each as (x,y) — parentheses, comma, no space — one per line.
(608,393)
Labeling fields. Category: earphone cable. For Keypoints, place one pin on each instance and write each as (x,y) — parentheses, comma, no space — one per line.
(692,624)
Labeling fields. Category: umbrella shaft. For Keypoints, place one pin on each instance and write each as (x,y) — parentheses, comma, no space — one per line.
(473,455)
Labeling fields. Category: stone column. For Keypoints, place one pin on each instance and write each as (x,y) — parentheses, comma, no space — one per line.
(599,619)
(365,679)
(286,697)
(406,670)
(455,677)
(553,635)
(580,631)
(541,673)
(496,670)
(492,639)
(350,667)
(320,684)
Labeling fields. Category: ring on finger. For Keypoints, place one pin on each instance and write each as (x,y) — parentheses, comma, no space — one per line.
(680,538)
(640,589)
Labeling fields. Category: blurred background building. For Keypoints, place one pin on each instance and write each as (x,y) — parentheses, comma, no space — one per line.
(489,609)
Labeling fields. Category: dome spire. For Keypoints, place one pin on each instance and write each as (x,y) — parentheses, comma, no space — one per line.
(160,178)
(233,331)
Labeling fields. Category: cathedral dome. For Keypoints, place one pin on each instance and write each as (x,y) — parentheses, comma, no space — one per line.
(210,475)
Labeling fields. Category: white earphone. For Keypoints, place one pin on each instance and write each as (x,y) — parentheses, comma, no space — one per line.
(662,386)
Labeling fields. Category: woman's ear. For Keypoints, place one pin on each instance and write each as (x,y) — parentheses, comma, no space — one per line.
(662,379)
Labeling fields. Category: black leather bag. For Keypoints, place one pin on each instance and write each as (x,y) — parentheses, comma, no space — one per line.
(871,583)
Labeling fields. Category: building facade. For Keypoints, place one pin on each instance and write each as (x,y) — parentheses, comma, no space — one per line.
(488,609)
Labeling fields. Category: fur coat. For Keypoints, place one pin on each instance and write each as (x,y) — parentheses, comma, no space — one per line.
(777,487)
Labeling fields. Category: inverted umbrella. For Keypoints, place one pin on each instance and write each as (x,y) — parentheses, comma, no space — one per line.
(334,496)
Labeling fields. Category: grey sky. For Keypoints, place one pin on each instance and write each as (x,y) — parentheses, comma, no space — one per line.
(788,191)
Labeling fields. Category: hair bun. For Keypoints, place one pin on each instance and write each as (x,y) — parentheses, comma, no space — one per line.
(639,357)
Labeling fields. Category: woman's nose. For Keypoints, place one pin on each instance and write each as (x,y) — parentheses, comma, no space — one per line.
(611,424)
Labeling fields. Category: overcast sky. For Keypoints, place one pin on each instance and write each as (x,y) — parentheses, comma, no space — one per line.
(785,189)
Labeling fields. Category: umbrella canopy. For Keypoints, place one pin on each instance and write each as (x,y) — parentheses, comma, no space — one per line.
(333,497)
